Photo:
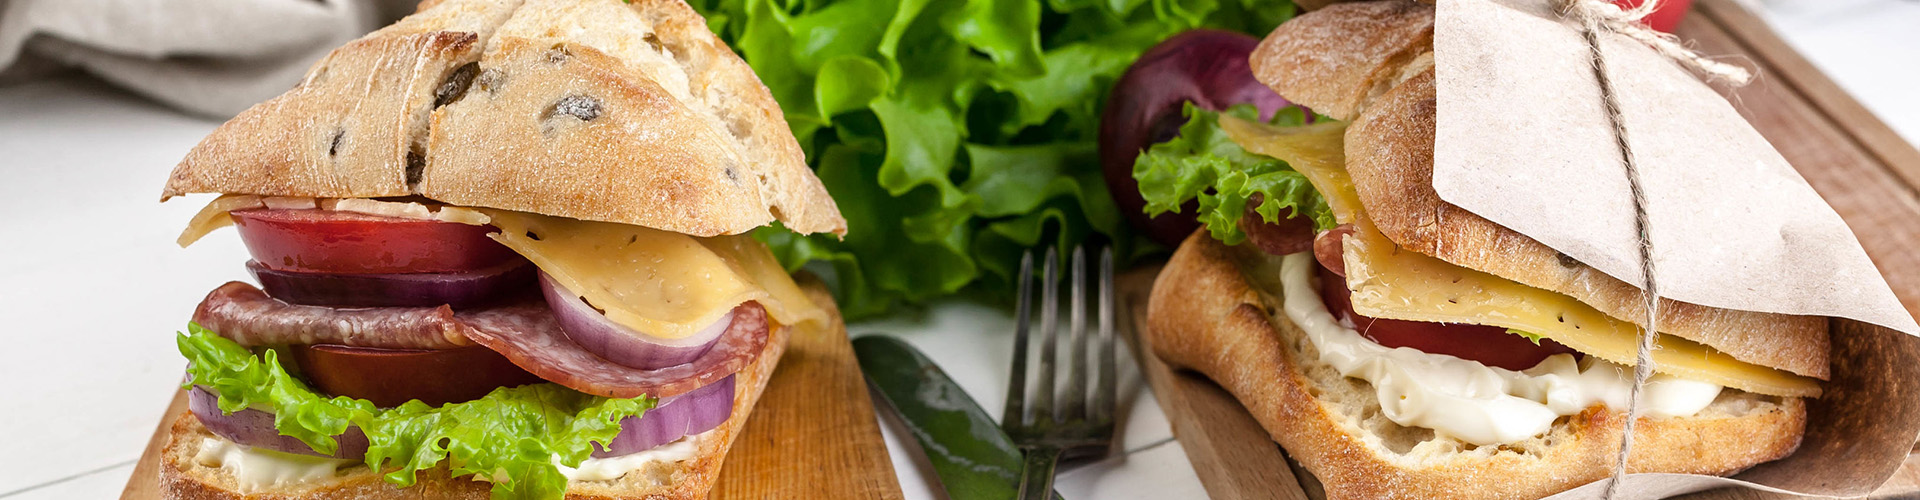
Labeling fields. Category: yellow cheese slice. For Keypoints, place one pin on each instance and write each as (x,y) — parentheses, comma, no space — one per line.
(1390,283)
(663,283)
(214,216)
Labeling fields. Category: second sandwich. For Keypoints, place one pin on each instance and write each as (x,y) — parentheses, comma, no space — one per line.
(1411,349)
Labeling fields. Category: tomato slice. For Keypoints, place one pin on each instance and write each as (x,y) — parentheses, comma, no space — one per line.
(390,377)
(328,241)
(1489,345)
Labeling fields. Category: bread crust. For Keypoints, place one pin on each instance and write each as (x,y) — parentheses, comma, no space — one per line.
(1316,59)
(1389,152)
(183,479)
(1224,326)
(347,128)
(627,112)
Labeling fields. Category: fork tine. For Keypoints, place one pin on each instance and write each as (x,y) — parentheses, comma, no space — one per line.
(1015,412)
(1108,392)
(1049,326)
(1075,397)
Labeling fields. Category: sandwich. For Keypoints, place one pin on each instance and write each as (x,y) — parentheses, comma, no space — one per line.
(501,251)
(1406,348)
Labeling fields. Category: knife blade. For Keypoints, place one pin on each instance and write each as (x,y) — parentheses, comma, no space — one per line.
(973,457)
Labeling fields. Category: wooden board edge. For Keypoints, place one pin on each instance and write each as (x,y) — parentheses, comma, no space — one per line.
(795,444)
(145,481)
(1232,454)
(870,477)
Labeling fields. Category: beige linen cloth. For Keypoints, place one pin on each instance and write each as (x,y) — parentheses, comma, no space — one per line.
(208,57)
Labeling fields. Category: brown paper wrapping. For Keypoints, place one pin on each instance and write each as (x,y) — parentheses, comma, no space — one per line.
(1522,139)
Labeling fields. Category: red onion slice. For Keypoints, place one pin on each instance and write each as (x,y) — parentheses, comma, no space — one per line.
(684,415)
(254,428)
(457,289)
(619,344)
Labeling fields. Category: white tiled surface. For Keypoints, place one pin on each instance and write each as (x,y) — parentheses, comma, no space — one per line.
(93,287)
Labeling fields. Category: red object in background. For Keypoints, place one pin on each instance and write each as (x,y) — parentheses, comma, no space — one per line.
(1666,16)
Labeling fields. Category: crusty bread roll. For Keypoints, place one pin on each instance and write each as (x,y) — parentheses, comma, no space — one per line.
(181,478)
(1213,310)
(1385,87)
(602,110)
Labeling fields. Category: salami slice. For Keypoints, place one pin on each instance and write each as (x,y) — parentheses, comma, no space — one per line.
(527,334)
(1328,249)
(246,315)
(1291,234)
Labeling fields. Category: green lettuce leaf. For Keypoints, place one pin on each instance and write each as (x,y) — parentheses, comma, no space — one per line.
(954,132)
(512,435)
(1202,163)
(243,379)
(1534,337)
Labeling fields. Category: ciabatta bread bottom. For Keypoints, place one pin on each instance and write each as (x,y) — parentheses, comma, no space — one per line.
(1211,311)
(182,478)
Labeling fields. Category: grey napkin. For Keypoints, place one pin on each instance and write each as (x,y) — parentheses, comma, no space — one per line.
(210,57)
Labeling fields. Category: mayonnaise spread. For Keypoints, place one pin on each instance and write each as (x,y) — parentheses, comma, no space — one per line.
(603,469)
(1467,400)
(260,470)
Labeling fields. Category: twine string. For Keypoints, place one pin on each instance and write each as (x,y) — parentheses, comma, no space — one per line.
(1598,17)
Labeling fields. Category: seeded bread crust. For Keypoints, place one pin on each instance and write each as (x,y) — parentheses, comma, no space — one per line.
(1211,311)
(604,110)
(181,478)
(1371,63)
(347,129)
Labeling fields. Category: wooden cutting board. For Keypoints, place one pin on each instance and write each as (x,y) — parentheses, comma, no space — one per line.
(1865,170)
(812,435)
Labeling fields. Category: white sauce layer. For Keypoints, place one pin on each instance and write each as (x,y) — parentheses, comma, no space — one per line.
(1468,400)
(604,469)
(260,470)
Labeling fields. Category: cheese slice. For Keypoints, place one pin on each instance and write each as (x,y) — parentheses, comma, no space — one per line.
(1390,283)
(663,283)
(216,214)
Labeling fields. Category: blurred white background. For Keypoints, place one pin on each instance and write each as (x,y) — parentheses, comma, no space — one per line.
(93,287)
(1870,47)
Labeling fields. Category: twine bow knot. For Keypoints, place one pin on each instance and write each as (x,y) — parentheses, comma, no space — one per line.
(1606,16)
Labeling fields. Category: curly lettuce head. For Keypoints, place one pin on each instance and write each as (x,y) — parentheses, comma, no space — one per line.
(954,134)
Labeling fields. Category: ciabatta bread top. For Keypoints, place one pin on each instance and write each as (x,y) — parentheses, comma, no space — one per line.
(1210,314)
(1337,59)
(348,128)
(1389,151)
(602,110)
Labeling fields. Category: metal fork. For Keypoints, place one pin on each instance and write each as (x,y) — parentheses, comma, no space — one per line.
(1083,424)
